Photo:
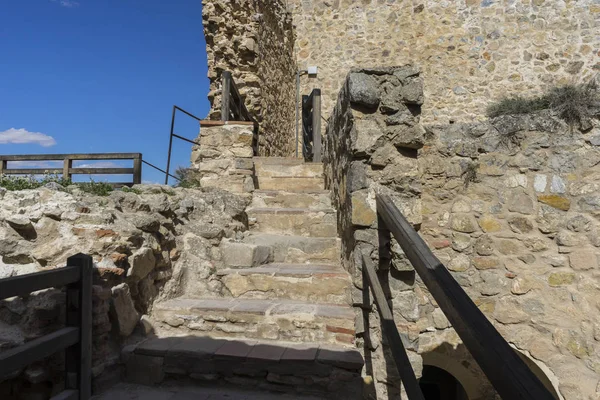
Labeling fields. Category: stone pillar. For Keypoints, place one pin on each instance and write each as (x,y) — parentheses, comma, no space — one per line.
(224,158)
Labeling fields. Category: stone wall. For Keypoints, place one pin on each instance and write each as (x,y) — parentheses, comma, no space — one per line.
(254,39)
(149,243)
(471,51)
(510,207)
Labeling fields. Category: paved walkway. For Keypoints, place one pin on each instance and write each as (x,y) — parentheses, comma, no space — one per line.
(126,391)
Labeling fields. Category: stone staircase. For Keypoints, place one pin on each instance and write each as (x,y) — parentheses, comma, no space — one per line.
(286,323)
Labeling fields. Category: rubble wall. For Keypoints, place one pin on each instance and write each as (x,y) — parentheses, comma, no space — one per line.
(471,51)
(254,39)
(510,206)
(148,243)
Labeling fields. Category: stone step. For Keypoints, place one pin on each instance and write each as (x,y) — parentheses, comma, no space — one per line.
(288,320)
(327,370)
(288,183)
(293,221)
(287,168)
(298,249)
(299,282)
(315,199)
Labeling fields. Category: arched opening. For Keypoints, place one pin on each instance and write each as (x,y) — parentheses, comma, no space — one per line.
(540,374)
(438,384)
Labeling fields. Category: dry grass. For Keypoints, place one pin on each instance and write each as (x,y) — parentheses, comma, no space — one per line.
(575,104)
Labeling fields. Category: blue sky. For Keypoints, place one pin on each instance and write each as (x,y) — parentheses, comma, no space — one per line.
(101,76)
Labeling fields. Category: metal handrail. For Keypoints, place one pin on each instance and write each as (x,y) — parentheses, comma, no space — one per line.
(75,339)
(507,372)
(311,127)
(173,135)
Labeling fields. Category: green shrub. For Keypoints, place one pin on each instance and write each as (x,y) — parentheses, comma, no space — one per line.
(575,104)
(30,182)
(96,188)
(186,180)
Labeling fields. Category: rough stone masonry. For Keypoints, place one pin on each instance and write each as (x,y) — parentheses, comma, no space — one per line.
(471,51)
(510,206)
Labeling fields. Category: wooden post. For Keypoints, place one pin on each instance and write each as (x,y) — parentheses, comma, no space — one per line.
(67,165)
(3,166)
(316,123)
(226,96)
(137,169)
(78,358)
(390,330)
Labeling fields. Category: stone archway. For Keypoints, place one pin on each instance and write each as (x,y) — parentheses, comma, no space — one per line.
(439,384)
(470,382)
(544,374)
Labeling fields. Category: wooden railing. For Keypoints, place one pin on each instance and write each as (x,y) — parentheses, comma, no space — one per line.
(67,169)
(75,339)
(311,126)
(232,103)
(507,372)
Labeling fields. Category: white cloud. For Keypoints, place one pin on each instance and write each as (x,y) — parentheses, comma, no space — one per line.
(67,3)
(22,136)
(99,164)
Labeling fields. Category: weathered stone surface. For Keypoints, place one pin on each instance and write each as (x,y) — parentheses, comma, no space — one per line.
(363,90)
(489,224)
(244,255)
(124,310)
(363,213)
(583,259)
(555,201)
(521,203)
(463,223)
(561,278)
(142,262)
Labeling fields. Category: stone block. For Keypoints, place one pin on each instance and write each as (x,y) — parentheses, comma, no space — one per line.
(142,262)
(244,255)
(124,310)
(583,259)
(363,90)
(363,209)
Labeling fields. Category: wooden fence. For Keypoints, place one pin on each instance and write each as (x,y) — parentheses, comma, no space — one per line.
(67,169)
(75,339)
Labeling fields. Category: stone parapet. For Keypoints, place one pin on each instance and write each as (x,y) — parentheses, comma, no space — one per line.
(223,159)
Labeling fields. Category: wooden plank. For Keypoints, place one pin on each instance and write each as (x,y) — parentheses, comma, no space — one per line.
(390,330)
(67,395)
(61,157)
(25,284)
(3,166)
(78,358)
(33,171)
(101,171)
(35,350)
(507,372)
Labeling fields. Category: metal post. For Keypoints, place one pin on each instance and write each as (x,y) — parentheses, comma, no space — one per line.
(78,358)
(316,124)
(137,169)
(170,145)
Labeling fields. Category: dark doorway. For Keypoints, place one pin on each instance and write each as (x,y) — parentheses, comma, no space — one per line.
(438,384)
